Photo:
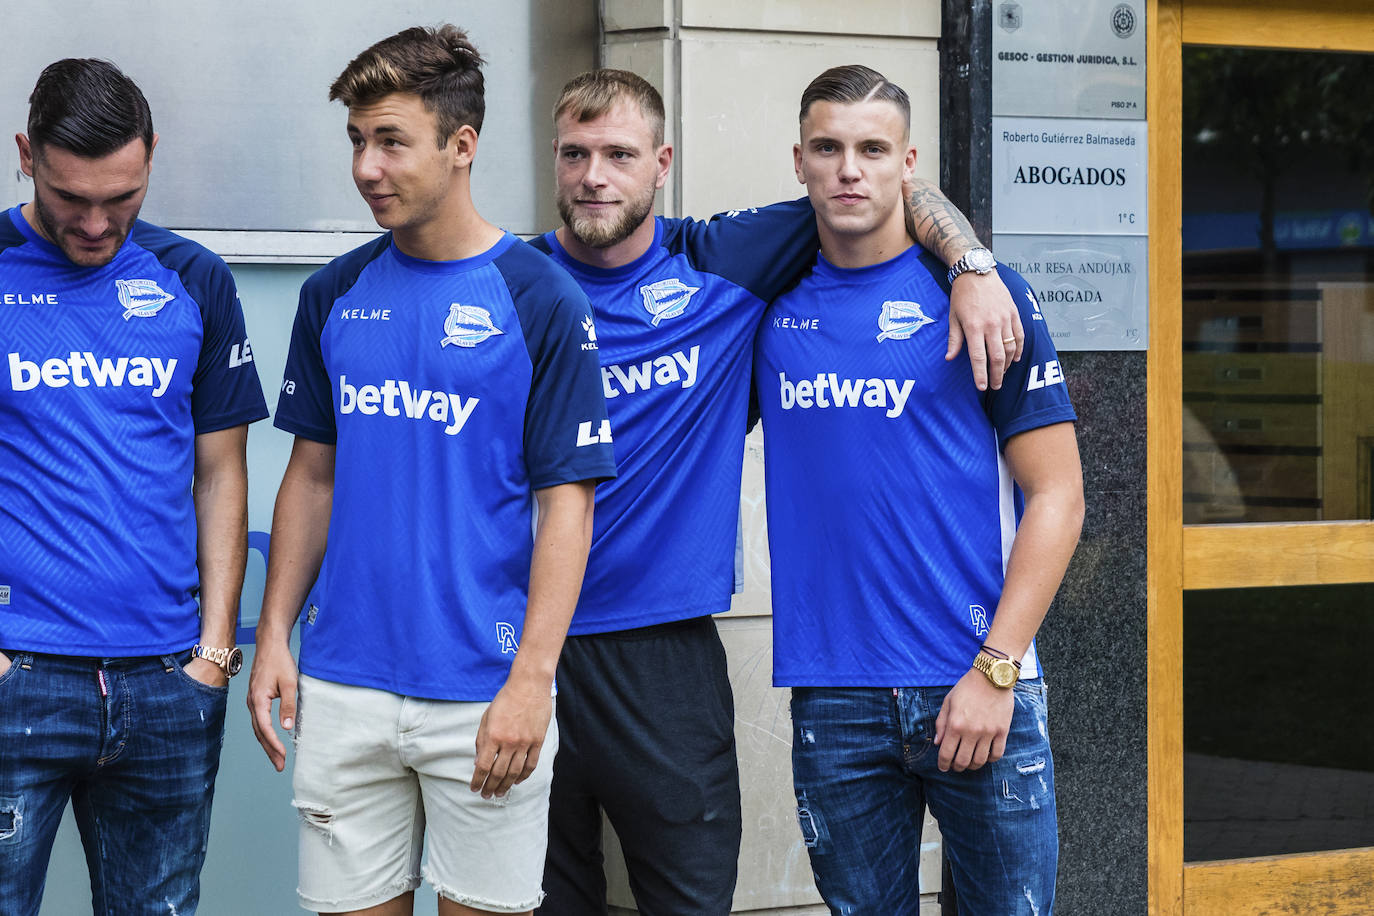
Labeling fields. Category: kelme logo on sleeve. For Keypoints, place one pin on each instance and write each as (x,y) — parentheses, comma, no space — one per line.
(899,320)
(141,298)
(467,326)
(667,298)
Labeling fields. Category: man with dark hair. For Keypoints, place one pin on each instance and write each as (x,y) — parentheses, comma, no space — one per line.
(123,499)
(646,715)
(908,642)
(441,382)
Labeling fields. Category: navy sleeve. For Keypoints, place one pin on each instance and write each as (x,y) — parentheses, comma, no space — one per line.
(10,236)
(225,390)
(567,436)
(1033,392)
(764,250)
(305,406)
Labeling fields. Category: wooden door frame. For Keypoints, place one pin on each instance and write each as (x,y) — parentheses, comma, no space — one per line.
(1205,556)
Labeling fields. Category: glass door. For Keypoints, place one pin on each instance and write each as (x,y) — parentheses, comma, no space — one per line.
(1260,635)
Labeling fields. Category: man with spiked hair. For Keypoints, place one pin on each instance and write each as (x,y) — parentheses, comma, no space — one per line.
(442,383)
(646,715)
(908,642)
(129,387)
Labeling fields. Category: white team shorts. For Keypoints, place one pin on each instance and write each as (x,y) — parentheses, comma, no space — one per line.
(379,775)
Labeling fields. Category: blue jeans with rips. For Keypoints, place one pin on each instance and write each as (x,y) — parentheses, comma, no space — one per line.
(134,743)
(864,768)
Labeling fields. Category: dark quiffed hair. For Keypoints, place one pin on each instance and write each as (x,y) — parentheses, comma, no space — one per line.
(854,83)
(87,107)
(440,65)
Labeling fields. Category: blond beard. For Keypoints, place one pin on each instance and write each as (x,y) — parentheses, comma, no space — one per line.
(603,233)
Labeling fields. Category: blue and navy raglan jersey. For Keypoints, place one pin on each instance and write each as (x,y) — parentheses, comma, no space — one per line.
(675,331)
(110,374)
(452,390)
(891,512)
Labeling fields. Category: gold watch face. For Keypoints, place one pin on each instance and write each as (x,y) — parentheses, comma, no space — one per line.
(1003,673)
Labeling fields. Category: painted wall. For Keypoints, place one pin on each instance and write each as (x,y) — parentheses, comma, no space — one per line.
(239,94)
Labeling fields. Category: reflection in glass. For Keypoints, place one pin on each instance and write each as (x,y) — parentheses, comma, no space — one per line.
(1278,748)
(1278,277)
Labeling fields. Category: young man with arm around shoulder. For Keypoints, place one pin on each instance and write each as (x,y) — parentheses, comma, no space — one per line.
(440,390)
(646,715)
(129,388)
(918,530)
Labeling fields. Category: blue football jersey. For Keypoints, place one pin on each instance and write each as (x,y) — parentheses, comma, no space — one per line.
(675,331)
(452,390)
(110,373)
(891,512)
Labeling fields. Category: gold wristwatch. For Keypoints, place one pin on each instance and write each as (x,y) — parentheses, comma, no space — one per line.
(230,660)
(1002,672)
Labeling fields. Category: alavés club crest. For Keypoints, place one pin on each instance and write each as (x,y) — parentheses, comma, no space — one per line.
(467,326)
(898,320)
(141,298)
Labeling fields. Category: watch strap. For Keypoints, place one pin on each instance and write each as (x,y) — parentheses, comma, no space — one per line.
(215,655)
(966,263)
(1002,673)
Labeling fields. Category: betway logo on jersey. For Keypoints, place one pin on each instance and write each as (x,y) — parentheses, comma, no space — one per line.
(829,390)
(84,369)
(394,398)
(676,368)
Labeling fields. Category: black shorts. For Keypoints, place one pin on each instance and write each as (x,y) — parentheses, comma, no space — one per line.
(646,733)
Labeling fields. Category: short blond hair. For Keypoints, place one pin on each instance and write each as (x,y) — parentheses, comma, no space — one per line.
(590,95)
(440,65)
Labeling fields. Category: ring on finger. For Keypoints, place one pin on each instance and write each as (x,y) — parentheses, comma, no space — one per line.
(1008,340)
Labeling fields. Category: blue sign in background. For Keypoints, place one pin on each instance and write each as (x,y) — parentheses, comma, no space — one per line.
(1292,230)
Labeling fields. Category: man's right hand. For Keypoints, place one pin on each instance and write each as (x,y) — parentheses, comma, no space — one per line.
(4,663)
(273,677)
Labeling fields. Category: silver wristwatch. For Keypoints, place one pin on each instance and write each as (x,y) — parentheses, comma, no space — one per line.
(978,260)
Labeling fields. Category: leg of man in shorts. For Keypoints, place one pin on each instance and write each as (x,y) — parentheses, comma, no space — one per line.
(379,776)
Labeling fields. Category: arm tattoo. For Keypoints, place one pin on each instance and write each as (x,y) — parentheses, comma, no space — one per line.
(937,224)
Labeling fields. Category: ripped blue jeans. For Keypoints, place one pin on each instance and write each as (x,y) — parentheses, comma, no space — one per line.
(134,744)
(864,768)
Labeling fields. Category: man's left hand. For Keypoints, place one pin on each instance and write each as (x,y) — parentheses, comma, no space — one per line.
(972,726)
(207,672)
(509,738)
(983,315)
